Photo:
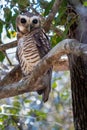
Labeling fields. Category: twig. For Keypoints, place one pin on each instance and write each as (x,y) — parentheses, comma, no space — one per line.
(7,58)
(9,45)
(57,31)
(51,15)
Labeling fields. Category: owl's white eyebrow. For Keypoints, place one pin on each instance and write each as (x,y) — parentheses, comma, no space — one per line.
(22,16)
(34,17)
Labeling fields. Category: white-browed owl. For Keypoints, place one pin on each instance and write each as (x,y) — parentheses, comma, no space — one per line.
(33,45)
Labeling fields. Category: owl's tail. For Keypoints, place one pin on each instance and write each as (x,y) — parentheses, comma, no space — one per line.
(47,84)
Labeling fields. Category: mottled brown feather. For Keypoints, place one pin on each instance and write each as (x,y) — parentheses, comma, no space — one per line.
(33,46)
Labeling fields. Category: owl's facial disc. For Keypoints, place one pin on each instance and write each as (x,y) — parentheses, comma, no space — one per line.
(34,22)
(28,23)
(22,24)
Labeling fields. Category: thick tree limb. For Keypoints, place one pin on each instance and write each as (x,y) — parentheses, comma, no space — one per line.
(15,74)
(68,46)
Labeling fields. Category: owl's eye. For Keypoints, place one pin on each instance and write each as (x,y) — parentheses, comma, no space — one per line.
(23,20)
(35,21)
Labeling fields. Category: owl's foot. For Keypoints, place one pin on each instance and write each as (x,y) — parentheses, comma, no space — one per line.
(45,94)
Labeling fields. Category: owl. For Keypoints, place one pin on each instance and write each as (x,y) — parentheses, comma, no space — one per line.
(33,45)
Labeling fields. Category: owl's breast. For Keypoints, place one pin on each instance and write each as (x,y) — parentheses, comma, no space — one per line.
(28,54)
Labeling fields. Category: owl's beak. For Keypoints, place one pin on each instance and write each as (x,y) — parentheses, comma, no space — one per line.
(29,28)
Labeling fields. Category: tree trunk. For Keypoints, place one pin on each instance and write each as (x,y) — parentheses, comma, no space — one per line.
(78,71)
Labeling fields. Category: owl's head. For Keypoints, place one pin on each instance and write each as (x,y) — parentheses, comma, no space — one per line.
(27,22)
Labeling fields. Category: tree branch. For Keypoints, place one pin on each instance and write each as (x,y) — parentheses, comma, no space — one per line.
(58,31)
(13,76)
(9,45)
(28,84)
(51,15)
(61,65)
(7,58)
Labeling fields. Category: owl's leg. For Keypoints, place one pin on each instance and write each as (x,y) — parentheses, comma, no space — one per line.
(45,93)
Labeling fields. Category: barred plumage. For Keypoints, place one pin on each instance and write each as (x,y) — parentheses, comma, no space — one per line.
(28,53)
(33,44)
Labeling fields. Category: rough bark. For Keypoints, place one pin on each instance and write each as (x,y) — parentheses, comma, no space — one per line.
(78,70)
(79,90)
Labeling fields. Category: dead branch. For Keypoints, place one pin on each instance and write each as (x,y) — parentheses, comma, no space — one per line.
(13,76)
(68,46)
(7,58)
(9,45)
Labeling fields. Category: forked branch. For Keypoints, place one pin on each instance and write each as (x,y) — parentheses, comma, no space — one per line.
(28,84)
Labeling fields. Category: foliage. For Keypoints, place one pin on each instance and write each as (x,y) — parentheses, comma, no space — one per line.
(27,111)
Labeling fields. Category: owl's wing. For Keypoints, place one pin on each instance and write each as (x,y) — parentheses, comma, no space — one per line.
(18,51)
(44,47)
(42,43)
(17,57)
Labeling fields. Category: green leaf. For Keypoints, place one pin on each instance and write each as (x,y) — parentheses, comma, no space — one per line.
(54,85)
(48,7)
(8,34)
(2,56)
(43,4)
(13,2)
(27,101)
(23,4)
(7,14)
(13,19)
(55,39)
(1,25)
(64,95)
(61,18)
(17,104)
(70,23)
(39,114)
(85,3)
